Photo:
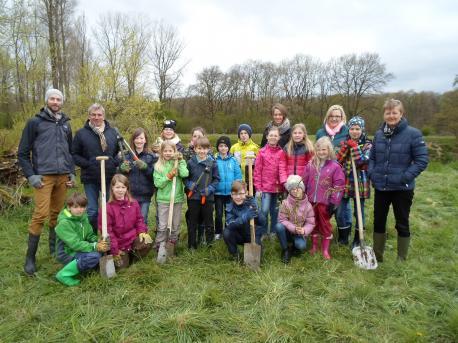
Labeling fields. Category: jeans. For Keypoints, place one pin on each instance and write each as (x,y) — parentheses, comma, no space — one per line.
(220,205)
(87,260)
(401,201)
(144,207)
(343,215)
(269,205)
(92,191)
(285,237)
(346,218)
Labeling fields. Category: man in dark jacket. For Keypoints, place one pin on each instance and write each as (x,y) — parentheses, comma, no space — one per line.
(45,158)
(96,138)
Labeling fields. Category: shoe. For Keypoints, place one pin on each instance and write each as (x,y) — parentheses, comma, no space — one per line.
(379,245)
(315,240)
(343,233)
(325,243)
(285,256)
(32,246)
(236,257)
(52,241)
(217,237)
(403,248)
(356,242)
(66,275)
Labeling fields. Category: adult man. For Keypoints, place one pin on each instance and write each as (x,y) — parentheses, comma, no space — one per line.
(45,158)
(96,138)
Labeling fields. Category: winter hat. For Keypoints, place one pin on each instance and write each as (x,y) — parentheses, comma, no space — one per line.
(294,181)
(169,123)
(53,91)
(223,140)
(245,127)
(356,120)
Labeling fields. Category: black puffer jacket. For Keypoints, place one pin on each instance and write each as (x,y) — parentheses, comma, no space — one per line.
(86,147)
(50,142)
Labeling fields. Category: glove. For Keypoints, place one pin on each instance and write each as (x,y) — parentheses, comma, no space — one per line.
(331,208)
(172,174)
(35,181)
(102,246)
(125,167)
(117,260)
(206,191)
(141,164)
(258,194)
(145,238)
(192,186)
(178,156)
(352,144)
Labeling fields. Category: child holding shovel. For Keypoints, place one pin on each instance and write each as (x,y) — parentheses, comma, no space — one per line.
(126,228)
(164,172)
(77,246)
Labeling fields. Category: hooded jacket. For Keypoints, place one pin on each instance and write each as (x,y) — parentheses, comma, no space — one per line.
(240,150)
(267,170)
(297,213)
(207,171)
(229,171)
(164,184)
(295,163)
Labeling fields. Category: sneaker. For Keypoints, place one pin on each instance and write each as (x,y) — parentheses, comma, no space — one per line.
(217,237)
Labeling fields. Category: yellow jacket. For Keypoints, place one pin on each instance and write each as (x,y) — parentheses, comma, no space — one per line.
(240,149)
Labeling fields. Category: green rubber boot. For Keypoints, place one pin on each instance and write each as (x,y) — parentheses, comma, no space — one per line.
(403,248)
(379,245)
(66,275)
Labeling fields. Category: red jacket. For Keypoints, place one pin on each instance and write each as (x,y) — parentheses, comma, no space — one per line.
(267,170)
(294,164)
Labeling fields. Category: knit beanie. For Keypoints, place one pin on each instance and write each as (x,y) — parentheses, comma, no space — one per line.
(294,181)
(245,127)
(53,91)
(223,140)
(169,123)
(356,120)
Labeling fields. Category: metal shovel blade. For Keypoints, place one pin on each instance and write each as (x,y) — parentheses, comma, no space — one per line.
(364,257)
(252,255)
(170,249)
(162,254)
(107,267)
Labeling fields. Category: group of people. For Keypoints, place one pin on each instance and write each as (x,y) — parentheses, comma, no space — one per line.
(297,186)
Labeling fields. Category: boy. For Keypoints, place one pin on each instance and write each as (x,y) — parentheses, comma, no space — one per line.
(201,185)
(239,212)
(245,146)
(77,246)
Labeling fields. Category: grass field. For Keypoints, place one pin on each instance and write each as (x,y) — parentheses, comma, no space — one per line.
(204,297)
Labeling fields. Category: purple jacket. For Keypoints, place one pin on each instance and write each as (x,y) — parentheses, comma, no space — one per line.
(325,185)
(267,170)
(124,222)
(294,213)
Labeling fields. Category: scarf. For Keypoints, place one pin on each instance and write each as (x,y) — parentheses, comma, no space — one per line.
(99,131)
(57,116)
(388,131)
(283,127)
(334,131)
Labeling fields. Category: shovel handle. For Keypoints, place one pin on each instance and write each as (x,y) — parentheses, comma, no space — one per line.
(250,193)
(134,155)
(102,160)
(358,201)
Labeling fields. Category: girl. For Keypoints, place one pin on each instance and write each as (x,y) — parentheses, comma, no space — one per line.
(325,181)
(279,120)
(358,147)
(168,134)
(267,177)
(245,146)
(164,171)
(298,153)
(296,219)
(140,171)
(125,224)
(196,133)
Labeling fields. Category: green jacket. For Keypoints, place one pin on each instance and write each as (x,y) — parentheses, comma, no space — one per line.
(75,232)
(164,184)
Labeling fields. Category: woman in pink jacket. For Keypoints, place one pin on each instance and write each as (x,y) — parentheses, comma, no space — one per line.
(325,182)
(267,178)
(296,219)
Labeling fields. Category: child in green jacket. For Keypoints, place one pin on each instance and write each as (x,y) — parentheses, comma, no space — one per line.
(78,248)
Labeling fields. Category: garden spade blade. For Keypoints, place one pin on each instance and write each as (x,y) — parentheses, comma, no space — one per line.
(107,267)
(364,257)
(162,253)
(252,251)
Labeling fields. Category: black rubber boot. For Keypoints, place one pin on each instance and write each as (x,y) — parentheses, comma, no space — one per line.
(344,233)
(379,245)
(32,246)
(403,248)
(52,241)
(286,256)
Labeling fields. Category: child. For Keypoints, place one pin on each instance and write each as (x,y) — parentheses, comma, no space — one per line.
(168,134)
(229,171)
(358,147)
(244,146)
(239,212)
(267,178)
(77,246)
(196,133)
(201,185)
(298,152)
(296,219)
(140,171)
(324,180)
(164,172)
(126,227)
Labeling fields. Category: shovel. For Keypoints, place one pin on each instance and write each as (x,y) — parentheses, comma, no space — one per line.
(363,255)
(251,251)
(167,249)
(106,263)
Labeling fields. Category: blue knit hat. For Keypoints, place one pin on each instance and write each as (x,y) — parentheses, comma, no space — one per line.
(245,127)
(356,120)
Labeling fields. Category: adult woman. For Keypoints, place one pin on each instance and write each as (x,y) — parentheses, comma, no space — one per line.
(279,119)
(398,156)
(334,127)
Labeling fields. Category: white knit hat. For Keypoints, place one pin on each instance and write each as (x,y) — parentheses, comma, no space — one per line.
(294,181)
(53,91)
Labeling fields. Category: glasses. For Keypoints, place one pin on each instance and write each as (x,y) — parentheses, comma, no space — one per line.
(335,117)
(238,194)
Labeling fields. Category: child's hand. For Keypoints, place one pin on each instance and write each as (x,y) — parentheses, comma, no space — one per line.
(125,167)
(103,246)
(299,230)
(145,238)
(178,156)
(172,174)
(141,164)
(351,143)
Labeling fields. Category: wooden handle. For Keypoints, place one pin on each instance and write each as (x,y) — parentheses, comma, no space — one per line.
(250,193)
(134,155)
(172,199)
(358,201)
(102,160)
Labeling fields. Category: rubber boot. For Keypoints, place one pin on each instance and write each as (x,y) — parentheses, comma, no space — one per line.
(403,247)
(356,242)
(379,245)
(286,255)
(52,241)
(344,233)
(32,246)
(325,243)
(66,275)
(315,240)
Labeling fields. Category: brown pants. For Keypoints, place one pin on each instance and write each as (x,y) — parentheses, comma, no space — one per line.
(49,201)
(163,213)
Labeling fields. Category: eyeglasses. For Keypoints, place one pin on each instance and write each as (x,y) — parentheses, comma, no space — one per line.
(238,194)
(335,117)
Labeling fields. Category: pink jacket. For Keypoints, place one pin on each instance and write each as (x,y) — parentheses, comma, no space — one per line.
(294,164)
(326,184)
(295,213)
(124,222)
(267,170)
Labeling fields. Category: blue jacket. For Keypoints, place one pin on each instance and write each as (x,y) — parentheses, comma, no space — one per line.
(234,221)
(207,183)
(141,181)
(86,147)
(229,171)
(339,137)
(396,161)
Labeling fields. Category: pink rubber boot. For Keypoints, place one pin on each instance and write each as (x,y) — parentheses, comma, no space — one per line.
(315,239)
(325,242)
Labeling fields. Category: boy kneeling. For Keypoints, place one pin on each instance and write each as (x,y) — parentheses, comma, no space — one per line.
(77,246)
(239,212)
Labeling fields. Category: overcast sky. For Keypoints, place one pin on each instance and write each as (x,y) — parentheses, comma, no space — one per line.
(417,40)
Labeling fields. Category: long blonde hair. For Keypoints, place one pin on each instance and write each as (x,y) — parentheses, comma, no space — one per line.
(338,108)
(326,143)
(159,165)
(125,181)
(306,141)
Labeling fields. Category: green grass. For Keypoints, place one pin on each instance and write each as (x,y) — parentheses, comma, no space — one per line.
(202,296)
